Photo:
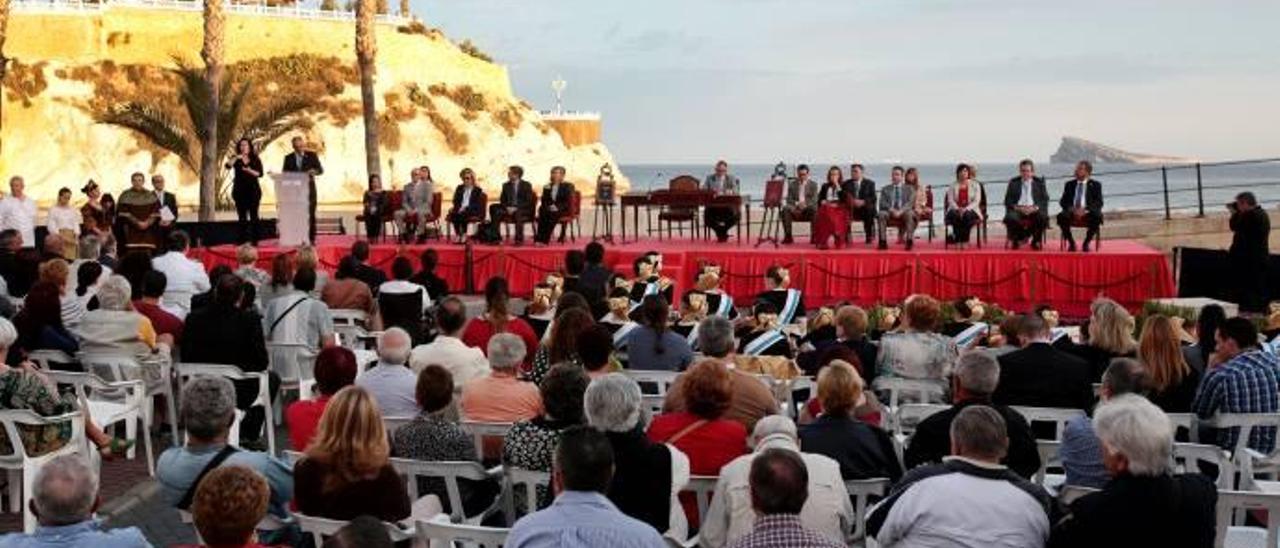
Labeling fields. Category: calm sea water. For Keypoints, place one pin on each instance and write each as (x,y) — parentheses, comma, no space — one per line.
(1121,191)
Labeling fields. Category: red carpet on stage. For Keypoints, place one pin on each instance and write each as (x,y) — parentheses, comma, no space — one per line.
(1124,270)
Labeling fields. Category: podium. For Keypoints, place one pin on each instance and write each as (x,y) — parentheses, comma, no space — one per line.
(292,208)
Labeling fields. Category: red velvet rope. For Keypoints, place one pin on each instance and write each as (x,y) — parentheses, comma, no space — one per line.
(997,281)
(871,278)
(1086,285)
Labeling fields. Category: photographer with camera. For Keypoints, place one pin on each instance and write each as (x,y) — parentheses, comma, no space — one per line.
(1250,247)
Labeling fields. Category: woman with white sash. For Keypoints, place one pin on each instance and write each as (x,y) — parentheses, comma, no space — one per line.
(766,337)
(649,279)
(719,303)
(788,302)
(693,311)
(618,320)
(967,327)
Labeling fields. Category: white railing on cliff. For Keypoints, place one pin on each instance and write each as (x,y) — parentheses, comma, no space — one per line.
(569,115)
(296,11)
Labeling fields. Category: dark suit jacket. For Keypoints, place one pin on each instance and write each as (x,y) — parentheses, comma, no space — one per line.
(523,198)
(170,201)
(1250,238)
(1039,193)
(866,190)
(222,334)
(371,277)
(1092,196)
(591,284)
(1164,510)
(473,209)
(310,162)
(1040,375)
(932,440)
(562,200)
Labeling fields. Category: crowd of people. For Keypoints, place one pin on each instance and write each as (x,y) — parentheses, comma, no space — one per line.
(555,373)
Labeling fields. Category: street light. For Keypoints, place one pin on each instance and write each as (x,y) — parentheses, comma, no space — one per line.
(558,86)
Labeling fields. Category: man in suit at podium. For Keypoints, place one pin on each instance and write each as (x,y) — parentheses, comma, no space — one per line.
(557,199)
(305,161)
(167,201)
(516,202)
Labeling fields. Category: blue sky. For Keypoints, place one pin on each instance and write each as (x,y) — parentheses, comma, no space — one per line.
(921,81)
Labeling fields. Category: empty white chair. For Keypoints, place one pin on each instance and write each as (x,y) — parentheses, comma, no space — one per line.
(295,364)
(522,482)
(1233,504)
(923,391)
(1060,417)
(117,367)
(453,535)
(263,399)
(480,430)
(109,403)
(22,466)
(1248,462)
(319,528)
(862,491)
(450,472)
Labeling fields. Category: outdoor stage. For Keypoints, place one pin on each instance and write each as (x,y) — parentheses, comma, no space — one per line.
(1124,270)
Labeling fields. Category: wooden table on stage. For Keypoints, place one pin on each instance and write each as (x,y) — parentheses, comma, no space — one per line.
(636,200)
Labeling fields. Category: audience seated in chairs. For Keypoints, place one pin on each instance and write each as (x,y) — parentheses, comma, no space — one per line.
(283,267)
(437,287)
(164,322)
(297,318)
(346,471)
(40,326)
(647,476)
(779,490)
(1144,503)
(863,451)
(751,400)
(390,382)
(372,277)
(1081,451)
(595,347)
(867,409)
(363,532)
(115,328)
(975,379)
(653,346)
(229,332)
(531,443)
(186,276)
(228,505)
(207,410)
(498,318)
(1173,382)
(346,292)
(463,362)
(1244,379)
(433,437)
(1040,375)
(970,499)
(587,464)
(1109,336)
(246,269)
(916,350)
(561,346)
(403,303)
(827,510)
(64,501)
(335,369)
(56,272)
(500,396)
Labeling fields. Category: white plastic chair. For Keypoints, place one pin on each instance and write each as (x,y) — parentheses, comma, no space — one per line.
(924,391)
(319,528)
(1186,457)
(1232,505)
(1068,494)
(295,364)
(350,325)
(1049,458)
(391,424)
(480,430)
(110,403)
(663,380)
(267,523)
(1183,420)
(1060,417)
(528,481)
(43,358)
(861,491)
(1250,463)
(909,415)
(22,466)
(455,536)
(187,370)
(703,488)
(118,367)
(450,472)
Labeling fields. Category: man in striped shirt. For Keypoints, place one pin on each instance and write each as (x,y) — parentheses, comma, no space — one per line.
(1246,380)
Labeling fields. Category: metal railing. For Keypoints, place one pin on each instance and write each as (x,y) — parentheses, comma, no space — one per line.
(296,11)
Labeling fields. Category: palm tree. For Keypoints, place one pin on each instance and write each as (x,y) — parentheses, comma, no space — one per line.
(211,52)
(181,131)
(4,61)
(366,52)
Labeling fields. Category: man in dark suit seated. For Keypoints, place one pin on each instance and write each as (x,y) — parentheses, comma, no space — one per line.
(860,194)
(305,161)
(594,278)
(1026,206)
(468,204)
(515,204)
(975,378)
(372,277)
(1081,202)
(557,200)
(1040,375)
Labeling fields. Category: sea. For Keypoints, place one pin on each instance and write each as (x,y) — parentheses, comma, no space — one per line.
(1126,187)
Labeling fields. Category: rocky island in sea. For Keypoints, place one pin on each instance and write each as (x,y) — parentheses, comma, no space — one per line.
(1075,149)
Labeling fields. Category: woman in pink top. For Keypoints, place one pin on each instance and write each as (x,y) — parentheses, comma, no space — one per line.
(335,369)
(498,319)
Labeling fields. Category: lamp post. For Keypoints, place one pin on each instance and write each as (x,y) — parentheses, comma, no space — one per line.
(558,86)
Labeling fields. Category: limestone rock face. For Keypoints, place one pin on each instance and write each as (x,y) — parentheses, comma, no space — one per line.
(438,105)
(1075,149)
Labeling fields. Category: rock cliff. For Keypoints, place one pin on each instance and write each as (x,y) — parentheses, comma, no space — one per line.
(1075,149)
(439,104)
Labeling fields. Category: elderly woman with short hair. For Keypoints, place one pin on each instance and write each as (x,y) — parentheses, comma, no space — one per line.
(1144,504)
(863,451)
(530,444)
(647,476)
(500,396)
(115,328)
(246,259)
(917,351)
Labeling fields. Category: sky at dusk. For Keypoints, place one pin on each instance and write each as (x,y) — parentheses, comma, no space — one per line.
(920,81)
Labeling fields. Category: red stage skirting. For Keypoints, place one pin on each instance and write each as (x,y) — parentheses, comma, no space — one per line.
(1124,270)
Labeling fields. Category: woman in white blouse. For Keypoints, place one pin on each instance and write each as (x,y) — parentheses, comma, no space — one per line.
(64,221)
(964,204)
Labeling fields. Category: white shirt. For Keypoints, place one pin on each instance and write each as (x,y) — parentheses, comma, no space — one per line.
(463,362)
(19,214)
(1025,199)
(63,218)
(185,278)
(827,511)
(392,386)
(404,287)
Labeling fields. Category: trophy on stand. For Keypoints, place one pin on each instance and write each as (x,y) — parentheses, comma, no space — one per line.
(606,189)
(773,195)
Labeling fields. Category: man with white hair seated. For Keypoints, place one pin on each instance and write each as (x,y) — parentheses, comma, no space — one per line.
(647,476)
(65,498)
(970,499)
(391,382)
(1144,504)
(116,328)
(751,399)
(827,510)
(208,409)
(500,396)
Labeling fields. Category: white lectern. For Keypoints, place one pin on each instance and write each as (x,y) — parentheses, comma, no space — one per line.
(292,209)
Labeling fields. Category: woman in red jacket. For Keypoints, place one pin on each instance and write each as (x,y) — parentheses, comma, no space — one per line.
(497,318)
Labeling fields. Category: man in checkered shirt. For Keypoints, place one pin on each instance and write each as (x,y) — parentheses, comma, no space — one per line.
(1246,380)
(779,487)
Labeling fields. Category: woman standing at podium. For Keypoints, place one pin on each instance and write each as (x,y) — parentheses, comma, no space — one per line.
(245,189)
(832,218)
